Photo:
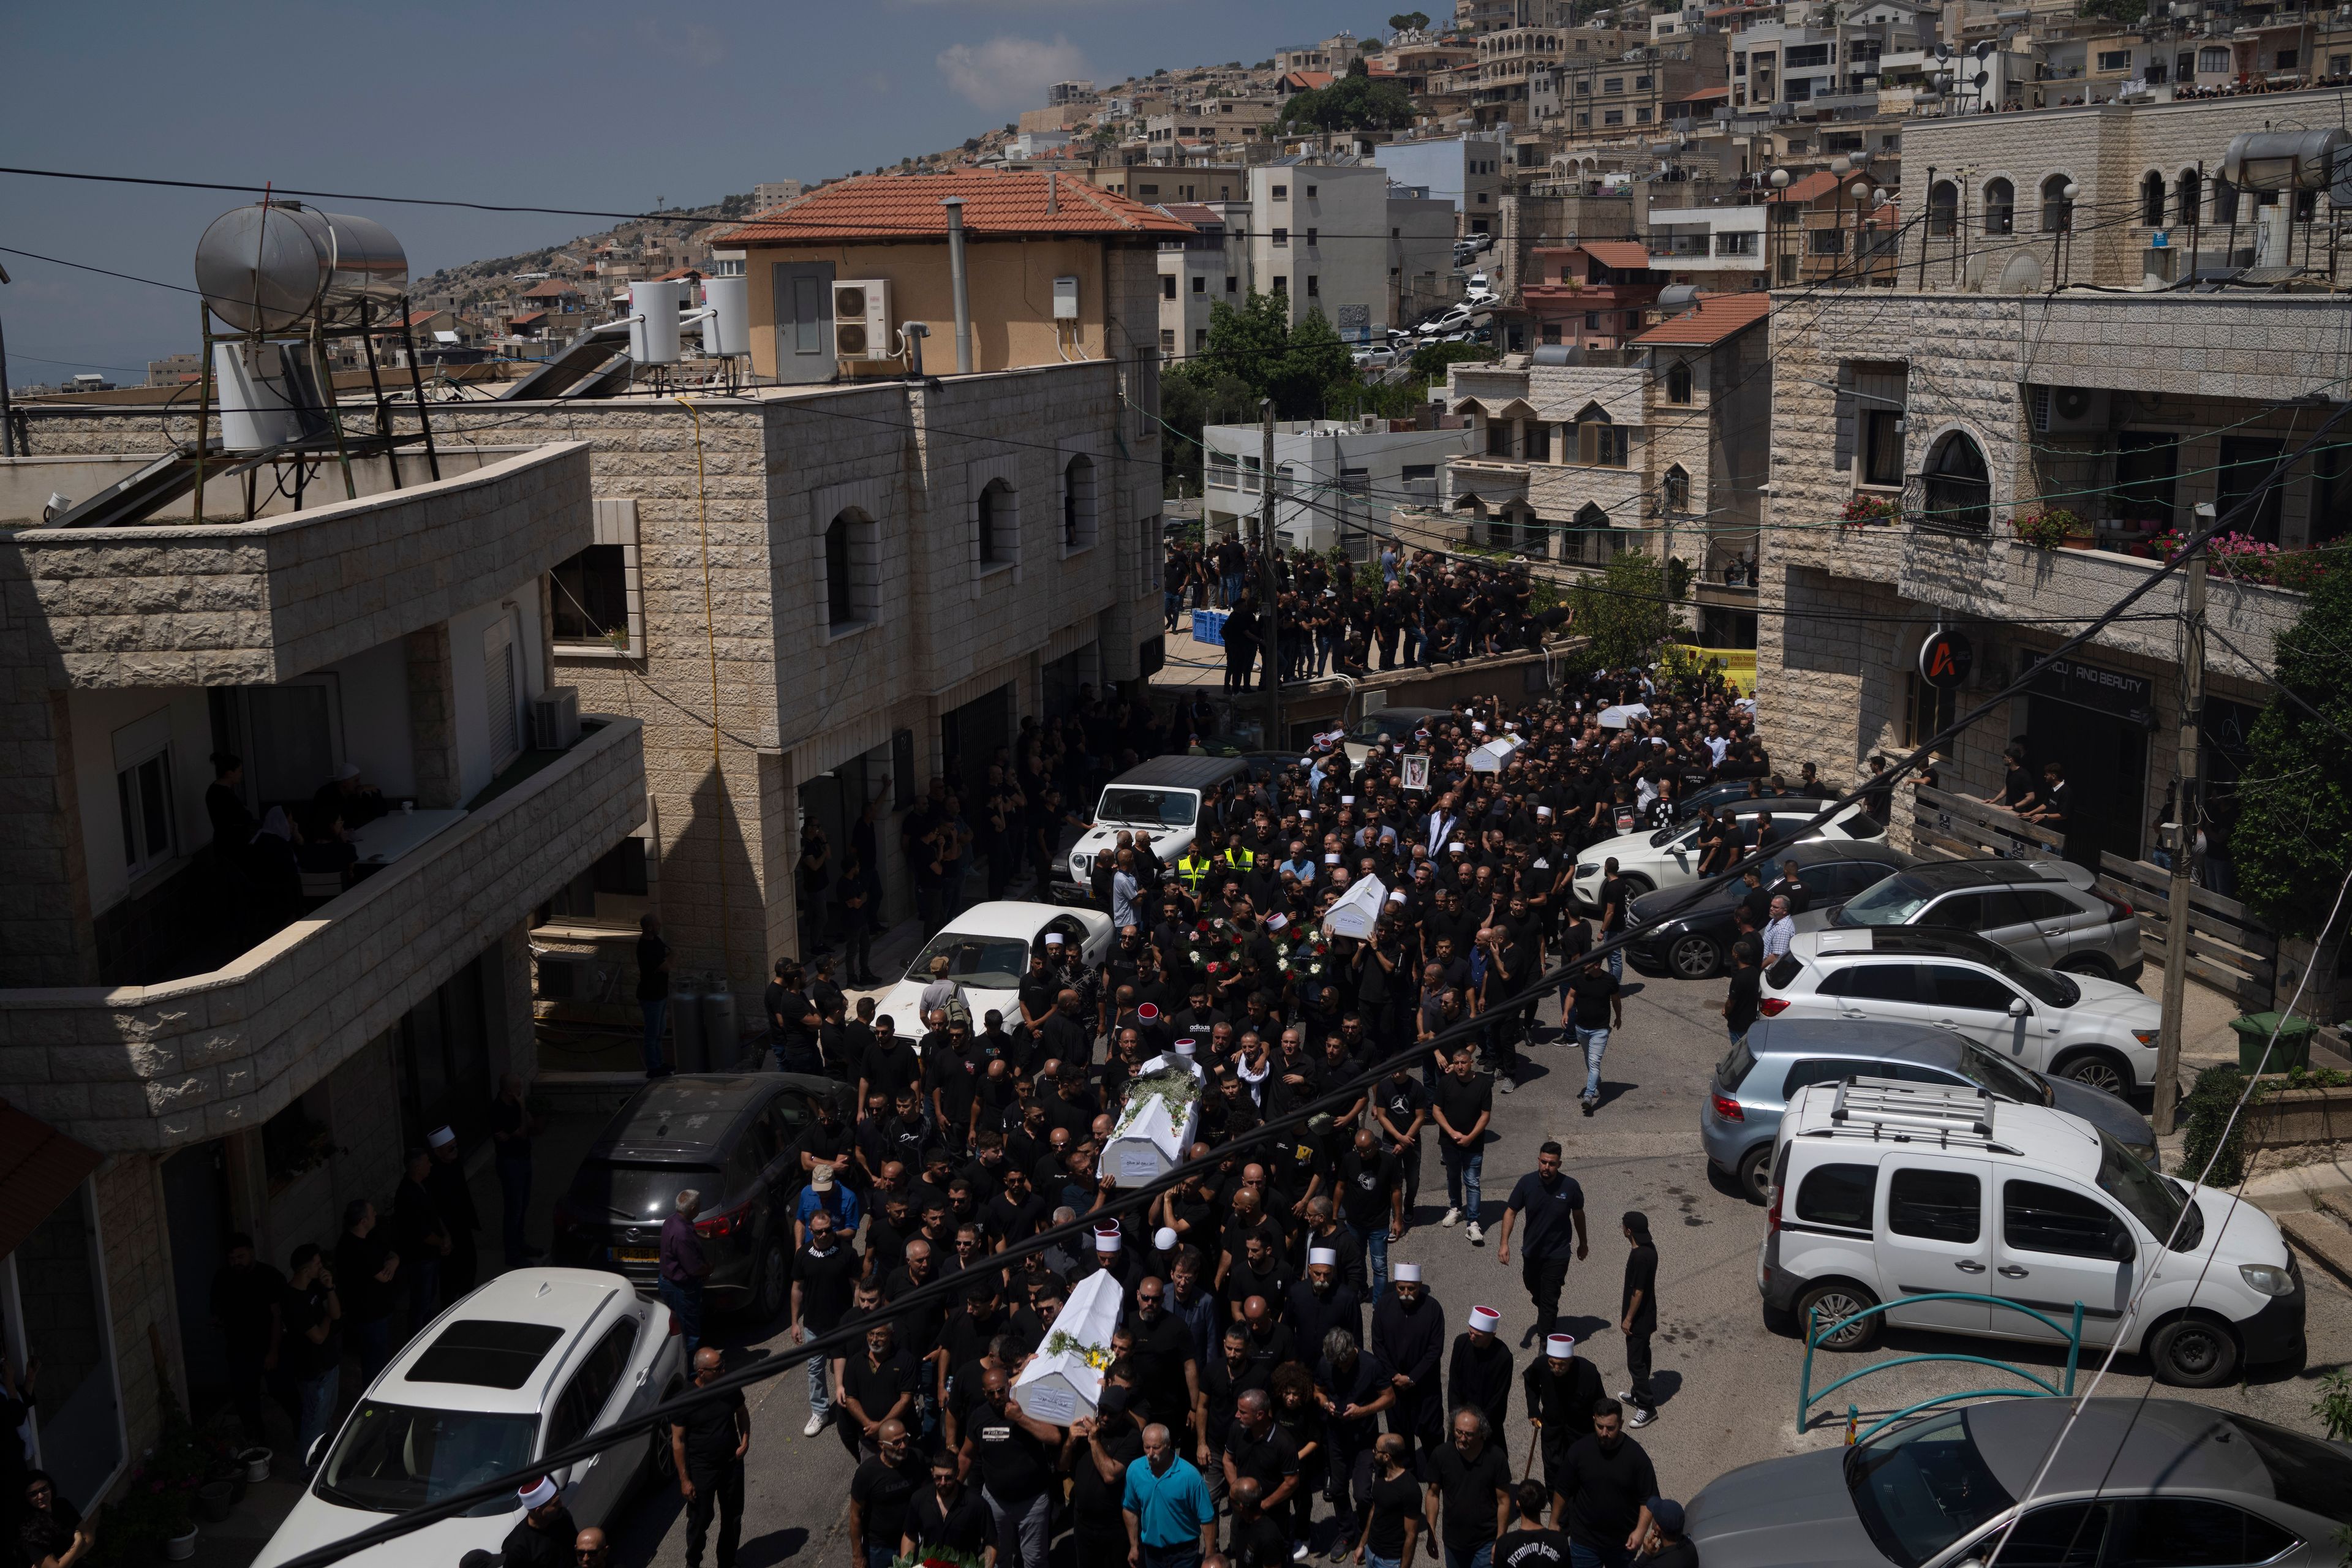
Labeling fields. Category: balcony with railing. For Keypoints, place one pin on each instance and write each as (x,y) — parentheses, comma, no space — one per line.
(161,1065)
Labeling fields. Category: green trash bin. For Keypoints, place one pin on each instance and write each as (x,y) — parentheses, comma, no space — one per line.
(2293,1049)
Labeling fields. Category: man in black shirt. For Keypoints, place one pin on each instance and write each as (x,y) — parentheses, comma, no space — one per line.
(708,1444)
(1256,1539)
(1469,1492)
(1016,1213)
(544,1536)
(1551,1206)
(1391,1520)
(876,1386)
(1528,1544)
(947,1513)
(1010,1451)
(1402,1107)
(1258,1449)
(1096,1456)
(1745,1000)
(891,1066)
(1596,1005)
(1167,1369)
(1608,1481)
(825,1274)
(1464,1103)
(1638,1315)
(1561,1389)
(881,1494)
(365,1265)
(1667,1547)
(1370,1182)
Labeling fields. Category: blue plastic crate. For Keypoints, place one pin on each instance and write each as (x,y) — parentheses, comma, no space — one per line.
(1209,627)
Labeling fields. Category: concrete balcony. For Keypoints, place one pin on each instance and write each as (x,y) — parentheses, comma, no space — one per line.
(2002,579)
(156,1067)
(223,603)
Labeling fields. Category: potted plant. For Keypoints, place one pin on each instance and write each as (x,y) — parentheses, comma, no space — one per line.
(1869,512)
(2054,529)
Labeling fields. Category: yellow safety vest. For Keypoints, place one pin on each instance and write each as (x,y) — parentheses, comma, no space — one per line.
(1192,868)
(1240,859)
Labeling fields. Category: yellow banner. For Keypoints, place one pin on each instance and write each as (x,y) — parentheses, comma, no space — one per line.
(1738,664)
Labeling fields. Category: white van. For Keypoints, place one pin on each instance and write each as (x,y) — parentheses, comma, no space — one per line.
(1883,1191)
(1160,799)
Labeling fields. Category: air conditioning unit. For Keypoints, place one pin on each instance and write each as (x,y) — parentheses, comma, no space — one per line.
(2068,410)
(555,719)
(861,320)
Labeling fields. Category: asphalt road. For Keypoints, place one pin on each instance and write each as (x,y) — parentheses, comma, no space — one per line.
(1728,1387)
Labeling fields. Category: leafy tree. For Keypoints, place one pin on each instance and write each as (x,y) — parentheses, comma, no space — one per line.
(1246,341)
(1624,612)
(1408,21)
(1429,361)
(1357,67)
(2124,11)
(1191,398)
(2295,798)
(1354,102)
(1313,360)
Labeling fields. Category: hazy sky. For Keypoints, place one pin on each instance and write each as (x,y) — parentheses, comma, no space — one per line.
(585,105)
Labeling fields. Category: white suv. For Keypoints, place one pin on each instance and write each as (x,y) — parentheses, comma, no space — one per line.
(533,1361)
(2097,1032)
(1889,1192)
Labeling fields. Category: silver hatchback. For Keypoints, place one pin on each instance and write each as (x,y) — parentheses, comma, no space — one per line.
(2051,913)
(1756,1079)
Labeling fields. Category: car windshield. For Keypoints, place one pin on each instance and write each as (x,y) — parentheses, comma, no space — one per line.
(989,962)
(632,1194)
(391,1458)
(2156,1203)
(1892,902)
(1149,807)
(1920,1487)
(2307,1474)
(1675,834)
(2003,1079)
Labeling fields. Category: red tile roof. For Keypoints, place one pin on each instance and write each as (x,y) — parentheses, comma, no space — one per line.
(553,289)
(1715,317)
(1817,184)
(1301,82)
(1193,213)
(1701,95)
(526,318)
(39,1169)
(908,207)
(1626,253)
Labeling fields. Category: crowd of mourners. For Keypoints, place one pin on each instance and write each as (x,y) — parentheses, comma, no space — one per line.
(1330,616)
(1282,1380)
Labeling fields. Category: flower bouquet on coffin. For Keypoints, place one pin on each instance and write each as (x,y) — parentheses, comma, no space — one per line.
(1062,1381)
(1156,1127)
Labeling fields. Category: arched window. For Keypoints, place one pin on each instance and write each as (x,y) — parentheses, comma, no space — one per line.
(1677,488)
(1943,208)
(2225,200)
(1599,440)
(1959,486)
(1678,382)
(1078,510)
(2000,207)
(840,605)
(2151,200)
(2187,196)
(1591,542)
(993,525)
(2057,209)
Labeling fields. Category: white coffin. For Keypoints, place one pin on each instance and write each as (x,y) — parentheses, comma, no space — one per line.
(1148,1139)
(1062,1386)
(1358,912)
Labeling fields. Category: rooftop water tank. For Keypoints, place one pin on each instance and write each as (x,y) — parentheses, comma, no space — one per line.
(2284,159)
(277,265)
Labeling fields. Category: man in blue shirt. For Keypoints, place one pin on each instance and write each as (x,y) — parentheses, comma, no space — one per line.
(1550,1206)
(823,1192)
(1170,1522)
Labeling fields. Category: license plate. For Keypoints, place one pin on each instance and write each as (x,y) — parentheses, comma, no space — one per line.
(636,1255)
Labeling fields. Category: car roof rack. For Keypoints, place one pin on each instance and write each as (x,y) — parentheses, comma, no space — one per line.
(1898,1111)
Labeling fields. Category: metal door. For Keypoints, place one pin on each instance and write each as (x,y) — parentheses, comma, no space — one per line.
(803,305)
(1934,1236)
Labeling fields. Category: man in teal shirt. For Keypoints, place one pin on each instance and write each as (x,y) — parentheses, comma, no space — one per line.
(1170,1522)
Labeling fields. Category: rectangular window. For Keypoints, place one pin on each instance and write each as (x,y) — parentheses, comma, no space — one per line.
(1281,284)
(1167,340)
(1538,443)
(1310,193)
(1281,193)
(1839,1195)
(1199,340)
(1936,1205)
(1612,84)
(1928,709)
(143,792)
(1233,284)
(1603,446)
(591,597)
(1799,56)
(2146,463)
(1614,117)
(1642,84)
(1641,115)
(1199,285)
(1498,438)
(1882,447)
(1736,242)
(1310,237)
(1282,237)
(2115,59)
(1167,288)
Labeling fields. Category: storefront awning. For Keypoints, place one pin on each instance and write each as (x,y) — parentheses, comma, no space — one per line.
(39,1169)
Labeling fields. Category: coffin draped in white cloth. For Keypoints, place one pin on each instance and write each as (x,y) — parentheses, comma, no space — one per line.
(1063,1381)
(1357,910)
(1492,757)
(1152,1134)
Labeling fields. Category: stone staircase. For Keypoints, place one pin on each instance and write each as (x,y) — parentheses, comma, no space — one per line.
(2324,1233)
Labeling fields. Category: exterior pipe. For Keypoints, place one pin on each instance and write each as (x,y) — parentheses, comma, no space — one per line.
(962,284)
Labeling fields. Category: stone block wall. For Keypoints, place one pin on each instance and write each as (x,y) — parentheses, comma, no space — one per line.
(255,603)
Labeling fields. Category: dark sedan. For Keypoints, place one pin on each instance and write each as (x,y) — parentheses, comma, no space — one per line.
(732,1137)
(1696,943)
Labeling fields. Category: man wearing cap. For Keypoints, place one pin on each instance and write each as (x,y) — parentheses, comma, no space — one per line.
(1478,1373)
(1666,1546)
(1551,1206)
(1409,1338)
(544,1536)
(707,1444)
(1562,1390)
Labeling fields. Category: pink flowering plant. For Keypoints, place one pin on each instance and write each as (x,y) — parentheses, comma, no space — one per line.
(1867,511)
